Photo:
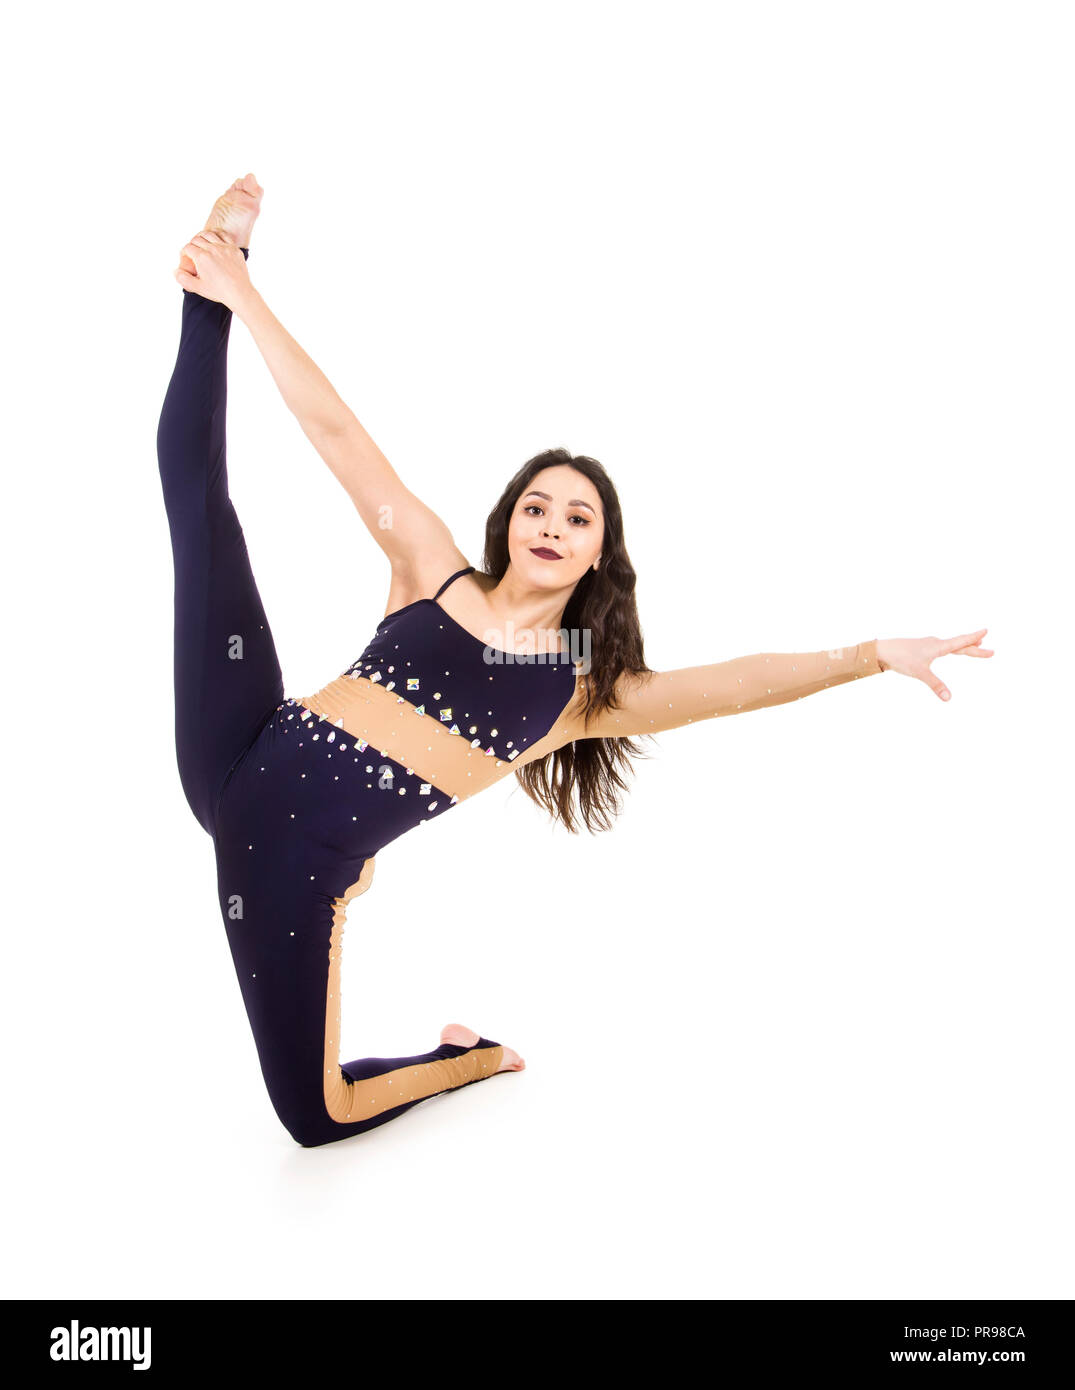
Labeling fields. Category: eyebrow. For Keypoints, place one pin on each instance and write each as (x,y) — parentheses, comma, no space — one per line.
(575,501)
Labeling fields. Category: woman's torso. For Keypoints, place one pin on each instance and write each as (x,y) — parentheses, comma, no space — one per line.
(428,715)
(459,711)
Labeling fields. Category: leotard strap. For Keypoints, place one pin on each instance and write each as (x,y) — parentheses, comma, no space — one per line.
(458,575)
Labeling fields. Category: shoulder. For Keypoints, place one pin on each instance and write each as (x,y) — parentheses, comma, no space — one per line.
(619,715)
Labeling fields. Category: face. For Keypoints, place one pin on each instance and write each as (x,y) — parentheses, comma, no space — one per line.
(559,515)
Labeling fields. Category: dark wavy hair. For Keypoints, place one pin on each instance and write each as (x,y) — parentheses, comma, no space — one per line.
(586,771)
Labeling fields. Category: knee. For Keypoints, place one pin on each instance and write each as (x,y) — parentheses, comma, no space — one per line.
(308,1137)
(307,1127)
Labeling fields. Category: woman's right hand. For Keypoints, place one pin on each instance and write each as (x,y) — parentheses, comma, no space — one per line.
(219,269)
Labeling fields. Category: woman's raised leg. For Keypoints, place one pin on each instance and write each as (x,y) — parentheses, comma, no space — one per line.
(227,675)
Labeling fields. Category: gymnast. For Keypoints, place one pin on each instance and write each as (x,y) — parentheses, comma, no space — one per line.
(532,667)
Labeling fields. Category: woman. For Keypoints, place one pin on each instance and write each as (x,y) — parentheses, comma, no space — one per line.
(532,668)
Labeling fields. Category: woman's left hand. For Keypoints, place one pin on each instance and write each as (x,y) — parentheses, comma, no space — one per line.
(220,271)
(911,656)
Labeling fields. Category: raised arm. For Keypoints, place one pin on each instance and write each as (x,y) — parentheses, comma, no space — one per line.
(417,542)
(652,704)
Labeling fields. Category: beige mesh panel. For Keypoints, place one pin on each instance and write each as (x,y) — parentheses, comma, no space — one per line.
(366,710)
(663,700)
(346,1100)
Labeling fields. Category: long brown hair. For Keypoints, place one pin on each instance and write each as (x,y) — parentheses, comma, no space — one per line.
(590,771)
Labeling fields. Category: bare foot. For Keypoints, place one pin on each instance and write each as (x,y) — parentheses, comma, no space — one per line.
(233,215)
(511,1061)
(459,1036)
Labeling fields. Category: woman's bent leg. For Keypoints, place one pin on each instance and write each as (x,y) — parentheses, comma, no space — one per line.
(285,931)
(227,675)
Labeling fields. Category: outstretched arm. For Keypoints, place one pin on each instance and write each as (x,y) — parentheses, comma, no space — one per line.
(664,700)
(652,704)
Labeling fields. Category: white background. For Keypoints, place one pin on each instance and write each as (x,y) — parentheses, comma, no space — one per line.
(800,276)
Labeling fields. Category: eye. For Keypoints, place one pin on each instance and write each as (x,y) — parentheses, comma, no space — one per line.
(584,519)
(531,507)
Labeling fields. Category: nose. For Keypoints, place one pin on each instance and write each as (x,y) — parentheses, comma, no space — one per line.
(552,535)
